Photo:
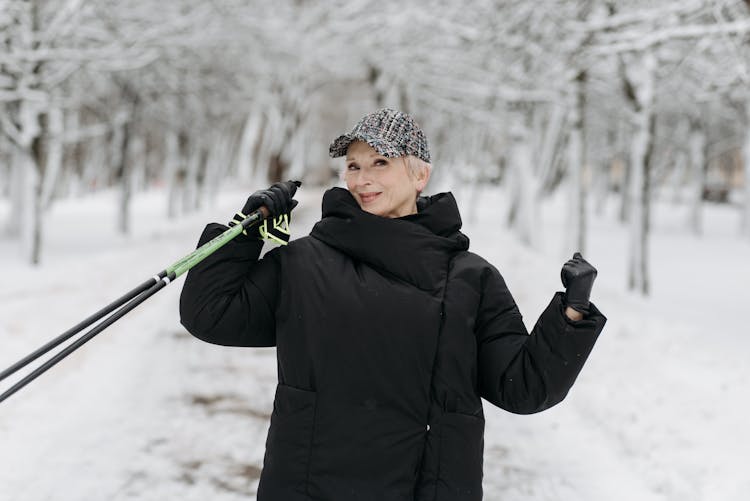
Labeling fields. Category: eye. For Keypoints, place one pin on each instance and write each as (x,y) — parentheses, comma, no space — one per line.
(352,167)
(381,161)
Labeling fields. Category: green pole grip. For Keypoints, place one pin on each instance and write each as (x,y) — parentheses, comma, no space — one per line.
(205,250)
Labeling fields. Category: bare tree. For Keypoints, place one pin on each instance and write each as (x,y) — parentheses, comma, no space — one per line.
(103,94)
(639,85)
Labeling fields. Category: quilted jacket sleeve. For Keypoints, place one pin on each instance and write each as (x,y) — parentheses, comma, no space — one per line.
(230,298)
(526,373)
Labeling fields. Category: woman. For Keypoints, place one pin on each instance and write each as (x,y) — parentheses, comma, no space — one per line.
(388,331)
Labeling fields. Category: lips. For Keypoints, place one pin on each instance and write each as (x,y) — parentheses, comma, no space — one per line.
(368,197)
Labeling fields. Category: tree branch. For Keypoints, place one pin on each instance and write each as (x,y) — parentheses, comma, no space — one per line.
(634,41)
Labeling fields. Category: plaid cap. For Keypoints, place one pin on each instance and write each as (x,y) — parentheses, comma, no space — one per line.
(392,133)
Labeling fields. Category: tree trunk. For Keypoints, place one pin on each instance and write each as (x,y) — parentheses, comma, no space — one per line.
(599,163)
(576,162)
(138,155)
(625,202)
(54,160)
(31,156)
(268,151)
(374,79)
(19,195)
(35,226)
(522,213)
(30,220)
(217,161)
(640,159)
(549,144)
(624,163)
(679,169)
(258,176)
(99,165)
(746,161)
(201,177)
(132,154)
(189,193)
(636,263)
(171,169)
(697,148)
(125,181)
(5,166)
(94,160)
(470,177)
(298,153)
(245,154)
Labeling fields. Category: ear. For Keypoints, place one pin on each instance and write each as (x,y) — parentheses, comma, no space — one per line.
(421,177)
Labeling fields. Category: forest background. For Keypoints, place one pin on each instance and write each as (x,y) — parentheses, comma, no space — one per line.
(560,124)
(644,99)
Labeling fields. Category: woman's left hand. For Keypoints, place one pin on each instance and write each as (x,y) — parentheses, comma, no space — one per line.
(578,279)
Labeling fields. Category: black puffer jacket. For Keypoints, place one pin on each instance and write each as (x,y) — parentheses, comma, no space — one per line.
(388,332)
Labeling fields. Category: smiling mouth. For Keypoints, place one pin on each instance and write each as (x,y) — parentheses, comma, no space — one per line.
(368,197)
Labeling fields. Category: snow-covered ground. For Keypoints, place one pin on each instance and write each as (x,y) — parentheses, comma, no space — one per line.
(146,412)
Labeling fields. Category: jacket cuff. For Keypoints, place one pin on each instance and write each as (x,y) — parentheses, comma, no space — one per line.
(590,318)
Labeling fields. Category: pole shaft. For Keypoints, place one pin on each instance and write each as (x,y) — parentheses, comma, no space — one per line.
(123,305)
(84,339)
(77,328)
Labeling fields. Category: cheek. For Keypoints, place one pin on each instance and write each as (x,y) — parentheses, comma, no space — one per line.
(351,179)
(393,180)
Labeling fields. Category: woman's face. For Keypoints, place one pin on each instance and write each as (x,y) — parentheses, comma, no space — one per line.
(382,186)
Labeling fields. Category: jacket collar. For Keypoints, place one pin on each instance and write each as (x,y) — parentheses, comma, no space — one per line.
(415,248)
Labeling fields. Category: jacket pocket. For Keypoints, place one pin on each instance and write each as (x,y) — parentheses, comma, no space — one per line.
(286,461)
(461,457)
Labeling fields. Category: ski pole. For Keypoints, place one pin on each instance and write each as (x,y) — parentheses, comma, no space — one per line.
(79,327)
(83,339)
(118,308)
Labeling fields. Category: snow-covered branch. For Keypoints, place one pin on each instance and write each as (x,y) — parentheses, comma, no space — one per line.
(639,41)
(641,17)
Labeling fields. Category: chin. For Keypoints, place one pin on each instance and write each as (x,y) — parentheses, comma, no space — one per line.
(374,210)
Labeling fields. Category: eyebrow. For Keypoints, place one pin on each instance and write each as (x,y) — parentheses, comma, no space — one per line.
(377,155)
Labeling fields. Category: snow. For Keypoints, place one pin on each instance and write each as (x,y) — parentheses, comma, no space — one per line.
(144,411)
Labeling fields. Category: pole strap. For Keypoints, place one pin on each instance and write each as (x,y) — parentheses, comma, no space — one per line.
(278,231)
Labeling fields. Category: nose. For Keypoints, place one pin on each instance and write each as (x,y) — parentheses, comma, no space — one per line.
(363,177)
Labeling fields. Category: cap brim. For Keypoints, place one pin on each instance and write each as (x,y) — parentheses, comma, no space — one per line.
(340,145)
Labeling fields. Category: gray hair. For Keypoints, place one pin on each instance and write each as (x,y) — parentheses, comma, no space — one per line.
(413,166)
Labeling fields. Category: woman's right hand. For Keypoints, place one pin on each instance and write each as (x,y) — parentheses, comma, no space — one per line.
(277,198)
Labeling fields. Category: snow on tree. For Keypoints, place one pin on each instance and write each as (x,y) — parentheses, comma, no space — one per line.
(546,95)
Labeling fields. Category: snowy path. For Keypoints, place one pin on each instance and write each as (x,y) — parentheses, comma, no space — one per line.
(146,412)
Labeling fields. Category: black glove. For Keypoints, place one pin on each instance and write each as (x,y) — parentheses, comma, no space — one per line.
(578,278)
(277,199)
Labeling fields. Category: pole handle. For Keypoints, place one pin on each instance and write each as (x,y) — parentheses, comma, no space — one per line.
(205,250)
